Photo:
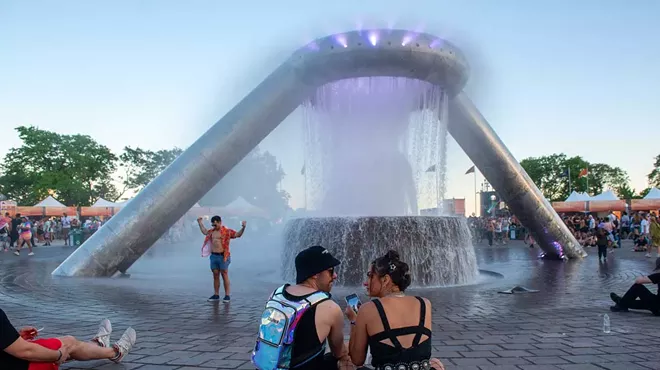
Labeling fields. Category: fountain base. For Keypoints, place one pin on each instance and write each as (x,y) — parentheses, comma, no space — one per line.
(438,250)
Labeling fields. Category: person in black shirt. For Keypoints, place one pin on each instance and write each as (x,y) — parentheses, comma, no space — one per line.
(13,232)
(638,297)
(20,350)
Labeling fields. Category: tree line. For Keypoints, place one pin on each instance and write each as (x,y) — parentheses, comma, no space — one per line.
(553,174)
(77,170)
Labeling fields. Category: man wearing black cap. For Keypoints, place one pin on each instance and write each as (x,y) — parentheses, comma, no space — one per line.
(320,318)
(647,300)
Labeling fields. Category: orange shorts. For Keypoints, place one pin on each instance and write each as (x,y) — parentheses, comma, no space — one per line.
(50,343)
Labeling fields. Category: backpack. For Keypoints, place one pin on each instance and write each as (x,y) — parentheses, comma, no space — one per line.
(277,327)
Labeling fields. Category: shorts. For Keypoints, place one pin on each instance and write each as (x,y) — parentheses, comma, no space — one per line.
(218,261)
(50,343)
(26,236)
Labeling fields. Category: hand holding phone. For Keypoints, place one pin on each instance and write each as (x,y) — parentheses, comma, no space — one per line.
(353,301)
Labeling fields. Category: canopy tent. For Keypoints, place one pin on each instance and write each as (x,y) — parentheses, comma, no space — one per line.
(578,197)
(49,202)
(102,203)
(241,207)
(650,202)
(654,193)
(606,195)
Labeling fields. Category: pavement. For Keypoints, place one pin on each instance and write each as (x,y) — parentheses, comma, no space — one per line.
(474,327)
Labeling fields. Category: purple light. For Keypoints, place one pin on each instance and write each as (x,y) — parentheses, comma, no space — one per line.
(435,43)
(341,40)
(407,39)
(373,38)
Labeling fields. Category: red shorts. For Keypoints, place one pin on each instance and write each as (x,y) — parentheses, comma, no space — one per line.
(50,343)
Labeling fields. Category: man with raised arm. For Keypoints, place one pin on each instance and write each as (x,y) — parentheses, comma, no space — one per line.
(218,238)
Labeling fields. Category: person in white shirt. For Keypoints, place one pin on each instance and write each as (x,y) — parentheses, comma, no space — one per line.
(645,232)
(66,227)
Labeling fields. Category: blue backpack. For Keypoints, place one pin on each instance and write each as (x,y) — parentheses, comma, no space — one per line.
(278,324)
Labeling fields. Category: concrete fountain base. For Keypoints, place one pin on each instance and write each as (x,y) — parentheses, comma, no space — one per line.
(438,249)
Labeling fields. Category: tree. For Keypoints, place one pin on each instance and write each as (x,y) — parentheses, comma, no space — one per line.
(256,179)
(73,168)
(552,173)
(654,176)
(141,166)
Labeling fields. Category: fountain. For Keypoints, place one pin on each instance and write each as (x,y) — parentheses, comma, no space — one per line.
(375,150)
(438,249)
(350,55)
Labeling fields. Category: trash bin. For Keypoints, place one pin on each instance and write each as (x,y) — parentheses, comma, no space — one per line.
(75,237)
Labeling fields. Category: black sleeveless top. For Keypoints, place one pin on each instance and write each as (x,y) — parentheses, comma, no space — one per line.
(306,339)
(385,356)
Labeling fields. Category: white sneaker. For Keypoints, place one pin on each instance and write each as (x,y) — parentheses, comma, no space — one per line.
(31,254)
(102,337)
(17,253)
(124,344)
(648,255)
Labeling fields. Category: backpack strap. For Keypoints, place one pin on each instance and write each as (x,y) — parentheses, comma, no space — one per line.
(316,298)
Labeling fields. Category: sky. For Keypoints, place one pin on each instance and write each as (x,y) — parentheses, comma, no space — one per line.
(578,77)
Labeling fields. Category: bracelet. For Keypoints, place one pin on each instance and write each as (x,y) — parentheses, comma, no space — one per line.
(59,357)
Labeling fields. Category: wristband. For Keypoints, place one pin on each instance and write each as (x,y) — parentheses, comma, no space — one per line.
(59,357)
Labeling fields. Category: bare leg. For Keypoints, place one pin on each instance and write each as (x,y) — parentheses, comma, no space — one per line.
(29,244)
(85,351)
(225,281)
(216,282)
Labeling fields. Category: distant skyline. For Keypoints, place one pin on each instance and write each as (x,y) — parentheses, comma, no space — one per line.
(550,76)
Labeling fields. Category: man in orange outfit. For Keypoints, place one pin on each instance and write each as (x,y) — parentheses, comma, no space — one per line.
(219,236)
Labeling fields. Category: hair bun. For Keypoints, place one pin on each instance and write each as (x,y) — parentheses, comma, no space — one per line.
(393,256)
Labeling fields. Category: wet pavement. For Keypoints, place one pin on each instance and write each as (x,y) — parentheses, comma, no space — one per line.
(474,327)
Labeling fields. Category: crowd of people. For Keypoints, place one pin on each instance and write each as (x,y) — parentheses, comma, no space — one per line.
(609,231)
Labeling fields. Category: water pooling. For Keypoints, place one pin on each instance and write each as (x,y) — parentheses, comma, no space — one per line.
(375,156)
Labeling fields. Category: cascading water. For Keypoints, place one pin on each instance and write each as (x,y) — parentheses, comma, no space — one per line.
(437,249)
(374,146)
(375,156)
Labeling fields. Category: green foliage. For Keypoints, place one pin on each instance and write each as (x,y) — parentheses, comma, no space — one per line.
(141,166)
(550,173)
(74,168)
(654,176)
(256,179)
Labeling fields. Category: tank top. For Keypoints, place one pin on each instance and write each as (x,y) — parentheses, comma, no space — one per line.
(385,356)
(306,338)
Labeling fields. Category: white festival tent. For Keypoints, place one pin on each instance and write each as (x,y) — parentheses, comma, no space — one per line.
(102,203)
(607,195)
(241,207)
(654,193)
(578,197)
(49,202)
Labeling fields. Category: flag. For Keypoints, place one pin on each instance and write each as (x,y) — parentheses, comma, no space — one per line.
(564,174)
(431,169)
(583,172)
(470,170)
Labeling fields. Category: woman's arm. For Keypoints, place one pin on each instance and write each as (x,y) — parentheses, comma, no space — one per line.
(31,352)
(358,343)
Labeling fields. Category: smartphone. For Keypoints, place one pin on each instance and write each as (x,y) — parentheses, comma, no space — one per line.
(353,301)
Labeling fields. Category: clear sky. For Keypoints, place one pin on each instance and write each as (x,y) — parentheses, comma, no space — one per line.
(579,77)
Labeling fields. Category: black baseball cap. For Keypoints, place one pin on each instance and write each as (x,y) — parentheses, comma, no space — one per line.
(312,261)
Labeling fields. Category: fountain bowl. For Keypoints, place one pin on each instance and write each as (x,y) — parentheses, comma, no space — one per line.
(438,250)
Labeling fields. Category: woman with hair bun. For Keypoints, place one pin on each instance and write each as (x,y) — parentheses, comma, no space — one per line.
(394,326)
